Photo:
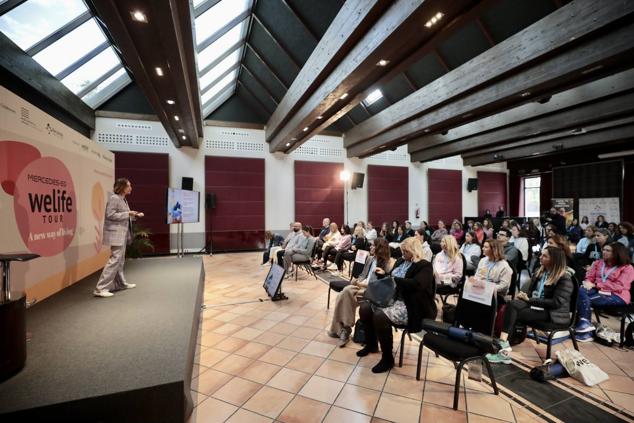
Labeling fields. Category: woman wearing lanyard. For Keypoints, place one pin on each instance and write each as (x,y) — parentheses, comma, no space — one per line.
(548,300)
(607,283)
(448,263)
(494,268)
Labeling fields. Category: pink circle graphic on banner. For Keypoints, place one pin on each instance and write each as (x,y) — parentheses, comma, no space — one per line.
(45,206)
(14,156)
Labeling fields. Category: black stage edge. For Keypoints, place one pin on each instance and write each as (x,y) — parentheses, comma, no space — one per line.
(127,358)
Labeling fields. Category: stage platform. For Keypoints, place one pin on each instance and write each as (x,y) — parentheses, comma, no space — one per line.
(124,358)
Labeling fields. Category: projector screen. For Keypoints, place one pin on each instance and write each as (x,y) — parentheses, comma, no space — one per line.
(182,206)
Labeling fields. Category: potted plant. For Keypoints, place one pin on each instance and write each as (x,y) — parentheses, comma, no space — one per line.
(141,242)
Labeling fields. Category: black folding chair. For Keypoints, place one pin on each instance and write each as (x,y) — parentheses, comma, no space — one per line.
(623,311)
(470,315)
(305,263)
(446,290)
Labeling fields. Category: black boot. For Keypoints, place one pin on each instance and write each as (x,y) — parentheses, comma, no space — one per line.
(367,350)
(384,333)
(386,363)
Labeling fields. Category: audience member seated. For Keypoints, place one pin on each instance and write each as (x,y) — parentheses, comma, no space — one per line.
(548,300)
(457,231)
(291,240)
(409,231)
(271,241)
(301,251)
(471,251)
(606,283)
(487,226)
(536,232)
(593,252)
(325,230)
(358,243)
(574,231)
(343,243)
(626,230)
(394,229)
(584,222)
(470,225)
(519,241)
(423,237)
(425,227)
(370,233)
(560,241)
(586,241)
(384,233)
(413,302)
(601,223)
(480,235)
(377,265)
(506,224)
(439,233)
(330,240)
(511,253)
(487,214)
(494,268)
(447,264)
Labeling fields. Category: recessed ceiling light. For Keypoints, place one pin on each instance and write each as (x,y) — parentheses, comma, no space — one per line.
(184,137)
(438,15)
(434,20)
(176,118)
(288,144)
(383,62)
(159,71)
(138,16)
(343,97)
(320,117)
(525,94)
(306,129)
(182,131)
(293,139)
(170,102)
(426,130)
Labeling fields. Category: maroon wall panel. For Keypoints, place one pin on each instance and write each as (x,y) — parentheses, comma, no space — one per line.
(491,192)
(318,192)
(237,222)
(388,194)
(444,195)
(149,175)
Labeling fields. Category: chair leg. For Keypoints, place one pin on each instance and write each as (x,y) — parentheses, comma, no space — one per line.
(491,375)
(420,359)
(571,331)
(400,359)
(622,343)
(596,314)
(328,303)
(456,392)
(550,344)
(535,336)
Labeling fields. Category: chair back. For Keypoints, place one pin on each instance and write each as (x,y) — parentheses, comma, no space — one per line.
(573,300)
(476,316)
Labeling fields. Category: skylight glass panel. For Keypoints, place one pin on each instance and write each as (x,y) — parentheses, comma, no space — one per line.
(71,47)
(197,3)
(107,88)
(92,71)
(34,20)
(373,97)
(216,102)
(223,83)
(221,45)
(219,69)
(218,16)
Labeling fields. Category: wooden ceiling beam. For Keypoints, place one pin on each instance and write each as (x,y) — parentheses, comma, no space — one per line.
(552,34)
(354,19)
(569,119)
(510,118)
(605,136)
(165,41)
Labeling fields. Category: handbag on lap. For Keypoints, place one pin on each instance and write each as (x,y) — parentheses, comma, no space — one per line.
(380,292)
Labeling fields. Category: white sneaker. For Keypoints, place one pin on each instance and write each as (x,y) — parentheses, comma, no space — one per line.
(129,285)
(103,293)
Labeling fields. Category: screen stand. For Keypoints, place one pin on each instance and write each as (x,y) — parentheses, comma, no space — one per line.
(180,249)
(279,295)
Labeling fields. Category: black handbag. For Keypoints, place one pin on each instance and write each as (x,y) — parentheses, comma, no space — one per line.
(380,292)
(359,333)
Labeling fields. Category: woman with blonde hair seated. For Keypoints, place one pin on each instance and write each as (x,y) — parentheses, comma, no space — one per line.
(448,262)
(493,267)
(376,266)
(413,302)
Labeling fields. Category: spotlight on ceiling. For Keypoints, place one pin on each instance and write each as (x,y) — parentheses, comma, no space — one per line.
(383,62)
(343,96)
(170,102)
(159,71)
(138,16)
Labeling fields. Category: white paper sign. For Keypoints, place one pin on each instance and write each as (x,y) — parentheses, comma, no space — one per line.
(361,256)
(478,291)
(593,207)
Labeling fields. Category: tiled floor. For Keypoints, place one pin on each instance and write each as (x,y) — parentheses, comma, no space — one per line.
(259,361)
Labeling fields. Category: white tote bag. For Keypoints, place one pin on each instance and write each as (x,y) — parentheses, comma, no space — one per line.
(581,368)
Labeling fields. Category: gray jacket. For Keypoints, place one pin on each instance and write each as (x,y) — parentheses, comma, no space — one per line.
(117,226)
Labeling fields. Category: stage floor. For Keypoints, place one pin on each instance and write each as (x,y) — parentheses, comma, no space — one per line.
(116,356)
(263,361)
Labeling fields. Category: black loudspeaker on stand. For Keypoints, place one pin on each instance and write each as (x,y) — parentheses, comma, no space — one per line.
(210,204)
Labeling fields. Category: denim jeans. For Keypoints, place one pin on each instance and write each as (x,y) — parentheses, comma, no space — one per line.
(588,298)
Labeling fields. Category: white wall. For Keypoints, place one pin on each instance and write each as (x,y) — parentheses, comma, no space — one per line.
(146,136)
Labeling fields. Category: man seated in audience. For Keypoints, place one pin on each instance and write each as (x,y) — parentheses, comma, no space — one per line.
(325,230)
(370,233)
(292,241)
(511,254)
(301,250)
(332,240)
(409,231)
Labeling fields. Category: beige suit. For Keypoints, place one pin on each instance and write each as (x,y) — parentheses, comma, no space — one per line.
(117,232)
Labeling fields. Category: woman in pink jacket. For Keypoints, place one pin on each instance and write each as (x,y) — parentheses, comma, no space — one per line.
(607,283)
